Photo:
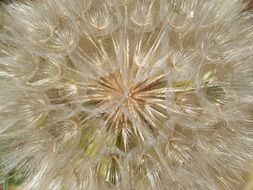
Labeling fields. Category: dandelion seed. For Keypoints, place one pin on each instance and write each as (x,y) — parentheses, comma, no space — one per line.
(114,94)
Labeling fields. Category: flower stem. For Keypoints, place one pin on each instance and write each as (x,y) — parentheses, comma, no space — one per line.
(6,184)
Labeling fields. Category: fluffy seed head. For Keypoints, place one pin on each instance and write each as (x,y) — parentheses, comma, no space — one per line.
(126,94)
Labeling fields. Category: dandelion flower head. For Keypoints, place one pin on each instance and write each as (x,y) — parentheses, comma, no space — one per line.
(126,94)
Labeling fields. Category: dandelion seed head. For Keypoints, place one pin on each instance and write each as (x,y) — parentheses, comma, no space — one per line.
(123,94)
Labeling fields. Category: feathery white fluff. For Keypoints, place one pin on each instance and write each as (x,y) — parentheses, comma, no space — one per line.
(126,94)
